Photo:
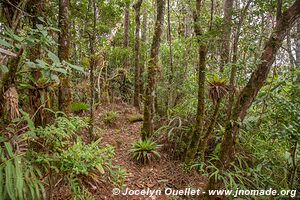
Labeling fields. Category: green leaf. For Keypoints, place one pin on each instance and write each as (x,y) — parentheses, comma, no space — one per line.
(9,179)
(1,183)
(41,19)
(9,149)
(53,57)
(19,177)
(42,64)
(26,86)
(55,78)
(4,43)
(78,68)
(61,70)
(40,26)
(31,64)
(4,69)
(100,169)
(28,120)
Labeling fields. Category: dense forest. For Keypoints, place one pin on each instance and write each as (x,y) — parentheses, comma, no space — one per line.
(102,96)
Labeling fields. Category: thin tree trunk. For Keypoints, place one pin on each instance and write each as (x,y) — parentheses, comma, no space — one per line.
(202,52)
(144,46)
(147,129)
(137,64)
(298,44)
(234,60)
(92,66)
(203,143)
(228,5)
(65,95)
(171,73)
(125,45)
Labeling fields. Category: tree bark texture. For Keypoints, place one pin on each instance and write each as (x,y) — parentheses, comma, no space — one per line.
(202,52)
(256,81)
(65,95)
(137,64)
(147,129)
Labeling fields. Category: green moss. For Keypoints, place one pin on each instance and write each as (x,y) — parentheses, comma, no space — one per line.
(135,118)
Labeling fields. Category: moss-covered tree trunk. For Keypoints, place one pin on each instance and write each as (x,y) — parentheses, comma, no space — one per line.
(256,81)
(37,9)
(144,48)
(202,52)
(65,95)
(137,55)
(204,140)
(147,129)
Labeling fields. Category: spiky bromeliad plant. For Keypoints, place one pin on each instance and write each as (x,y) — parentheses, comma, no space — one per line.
(143,151)
(218,88)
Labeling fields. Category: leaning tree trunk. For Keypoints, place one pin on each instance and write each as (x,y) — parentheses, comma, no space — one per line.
(147,129)
(64,95)
(202,52)
(256,81)
(137,64)
(204,140)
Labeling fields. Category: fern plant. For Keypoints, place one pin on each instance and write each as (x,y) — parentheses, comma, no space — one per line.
(82,158)
(78,107)
(144,151)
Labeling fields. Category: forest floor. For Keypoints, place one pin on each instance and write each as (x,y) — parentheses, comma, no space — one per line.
(159,174)
(165,172)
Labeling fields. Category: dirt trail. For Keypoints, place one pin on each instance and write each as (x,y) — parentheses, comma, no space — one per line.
(165,172)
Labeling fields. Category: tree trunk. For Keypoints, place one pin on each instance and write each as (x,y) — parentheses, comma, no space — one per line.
(137,64)
(171,72)
(126,29)
(147,129)
(203,143)
(144,46)
(234,60)
(225,47)
(202,52)
(298,44)
(125,45)
(92,66)
(256,81)
(65,95)
(36,9)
